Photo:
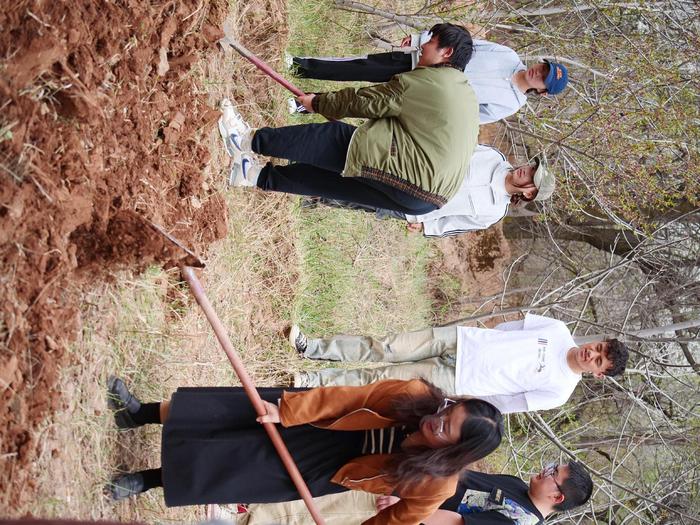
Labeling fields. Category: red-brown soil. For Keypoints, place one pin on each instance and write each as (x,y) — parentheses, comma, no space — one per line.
(469,271)
(469,274)
(100,133)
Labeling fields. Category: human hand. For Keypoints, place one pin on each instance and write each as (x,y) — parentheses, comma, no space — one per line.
(386,501)
(414,227)
(305,100)
(272,416)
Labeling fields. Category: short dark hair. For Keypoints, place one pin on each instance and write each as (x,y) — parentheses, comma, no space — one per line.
(618,355)
(577,488)
(459,39)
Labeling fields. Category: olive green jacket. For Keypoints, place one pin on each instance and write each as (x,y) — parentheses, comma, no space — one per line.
(422,131)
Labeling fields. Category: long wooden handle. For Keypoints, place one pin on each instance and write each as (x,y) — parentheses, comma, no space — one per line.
(198,291)
(262,66)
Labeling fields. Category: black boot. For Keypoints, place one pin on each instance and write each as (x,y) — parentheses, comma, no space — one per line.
(122,402)
(125,485)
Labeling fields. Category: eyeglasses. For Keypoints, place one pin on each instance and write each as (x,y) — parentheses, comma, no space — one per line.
(444,406)
(552,470)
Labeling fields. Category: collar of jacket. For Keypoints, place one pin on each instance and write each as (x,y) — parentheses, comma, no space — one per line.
(498,184)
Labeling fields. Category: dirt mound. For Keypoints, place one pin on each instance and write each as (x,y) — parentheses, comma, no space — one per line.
(99,140)
(470,269)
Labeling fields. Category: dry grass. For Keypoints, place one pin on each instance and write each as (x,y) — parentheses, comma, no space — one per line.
(149,330)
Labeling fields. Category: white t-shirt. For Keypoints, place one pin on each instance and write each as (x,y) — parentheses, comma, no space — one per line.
(518,366)
(490,72)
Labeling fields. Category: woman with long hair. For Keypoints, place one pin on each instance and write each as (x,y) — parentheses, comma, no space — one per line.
(392,437)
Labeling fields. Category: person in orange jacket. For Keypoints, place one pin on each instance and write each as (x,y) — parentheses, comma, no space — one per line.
(392,437)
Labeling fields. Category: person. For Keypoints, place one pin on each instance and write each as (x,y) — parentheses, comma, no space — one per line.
(488,189)
(410,156)
(392,437)
(498,76)
(480,499)
(519,366)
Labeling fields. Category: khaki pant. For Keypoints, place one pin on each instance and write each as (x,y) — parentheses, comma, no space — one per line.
(429,353)
(346,508)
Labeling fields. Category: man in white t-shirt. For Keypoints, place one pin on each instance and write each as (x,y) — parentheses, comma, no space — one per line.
(519,366)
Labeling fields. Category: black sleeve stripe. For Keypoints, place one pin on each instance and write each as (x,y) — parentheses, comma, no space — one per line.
(457,232)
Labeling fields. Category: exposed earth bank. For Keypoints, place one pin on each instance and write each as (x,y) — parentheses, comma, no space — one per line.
(99,140)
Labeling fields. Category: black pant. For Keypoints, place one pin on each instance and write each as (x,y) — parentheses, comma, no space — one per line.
(380,213)
(319,152)
(379,67)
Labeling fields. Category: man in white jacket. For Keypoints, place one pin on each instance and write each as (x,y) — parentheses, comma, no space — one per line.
(490,186)
(519,366)
(496,73)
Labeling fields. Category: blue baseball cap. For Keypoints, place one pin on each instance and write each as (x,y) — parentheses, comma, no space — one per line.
(557,78)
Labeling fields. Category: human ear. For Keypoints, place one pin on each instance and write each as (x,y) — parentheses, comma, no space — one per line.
(448,52)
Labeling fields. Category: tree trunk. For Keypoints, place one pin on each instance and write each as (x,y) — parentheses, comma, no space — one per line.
(604,237)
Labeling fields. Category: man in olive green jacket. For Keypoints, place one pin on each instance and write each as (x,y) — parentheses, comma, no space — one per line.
(410,156)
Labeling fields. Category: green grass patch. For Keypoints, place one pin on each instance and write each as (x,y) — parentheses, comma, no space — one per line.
(318,28)
(359,274)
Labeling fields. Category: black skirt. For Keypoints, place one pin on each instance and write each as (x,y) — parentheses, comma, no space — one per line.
(214,451)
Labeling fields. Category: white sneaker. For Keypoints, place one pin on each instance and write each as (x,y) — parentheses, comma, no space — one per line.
(288,60)
(235,132)
(298,340)
(294,107)
(244,172)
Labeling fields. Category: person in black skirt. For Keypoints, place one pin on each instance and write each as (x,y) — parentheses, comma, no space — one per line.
(392,437)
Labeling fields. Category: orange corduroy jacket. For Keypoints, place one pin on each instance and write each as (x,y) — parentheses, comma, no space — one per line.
(362,408)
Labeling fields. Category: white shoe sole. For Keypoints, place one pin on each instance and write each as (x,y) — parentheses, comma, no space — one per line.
(231,123)
(231,150)
(293,334)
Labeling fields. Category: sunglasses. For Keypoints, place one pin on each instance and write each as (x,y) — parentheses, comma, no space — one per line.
(442,416)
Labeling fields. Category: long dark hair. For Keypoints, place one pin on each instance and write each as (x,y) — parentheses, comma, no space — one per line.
(480,435)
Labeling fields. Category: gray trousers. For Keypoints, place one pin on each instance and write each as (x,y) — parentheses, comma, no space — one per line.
(429,353)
